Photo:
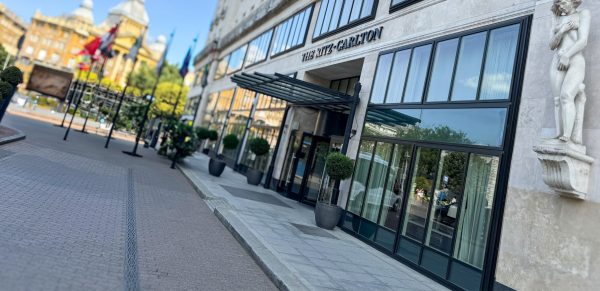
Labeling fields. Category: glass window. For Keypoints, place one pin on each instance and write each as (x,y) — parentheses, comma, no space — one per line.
(396,3)
(290,33)
(499,63)
(381,78)
(337,14)
(415,84)
(394,191)
(398,77)
(468,68)
(222,67)
(421,192)
(359,181)
(476,210)
(236,60)
(379,167)
(257,48)
(450,184)
(475,126)
(443,66)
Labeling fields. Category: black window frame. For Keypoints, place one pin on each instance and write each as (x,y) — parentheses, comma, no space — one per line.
(227,72)
(350,23)
(401,5)
(270,52)
(268,48)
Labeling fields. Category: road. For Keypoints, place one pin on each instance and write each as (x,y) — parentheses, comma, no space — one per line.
(76,216)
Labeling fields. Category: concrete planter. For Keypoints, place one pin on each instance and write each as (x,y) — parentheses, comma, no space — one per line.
(254,177)
(327,216)
(216,167)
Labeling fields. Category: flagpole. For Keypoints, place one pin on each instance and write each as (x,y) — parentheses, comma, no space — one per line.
(161,65)
(93,94)
(73,94)
(79,101)
(121,98)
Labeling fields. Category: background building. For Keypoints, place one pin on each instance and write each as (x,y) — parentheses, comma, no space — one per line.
(12,28)
(57,41)
(452,102)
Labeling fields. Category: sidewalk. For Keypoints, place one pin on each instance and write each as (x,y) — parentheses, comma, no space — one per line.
(282,237)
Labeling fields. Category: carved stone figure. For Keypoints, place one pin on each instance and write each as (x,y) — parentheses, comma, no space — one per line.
(570,31)
(565,165)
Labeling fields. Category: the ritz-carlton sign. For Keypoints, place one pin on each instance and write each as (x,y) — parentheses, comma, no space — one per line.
(344,44)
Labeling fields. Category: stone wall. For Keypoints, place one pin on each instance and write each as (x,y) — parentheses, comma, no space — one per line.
(550,242)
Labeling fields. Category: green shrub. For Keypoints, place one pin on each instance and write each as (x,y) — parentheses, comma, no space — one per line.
(202,133)
(12,75)
(339,166)
(213,135)
(6,90)
(230,142)
(259,146)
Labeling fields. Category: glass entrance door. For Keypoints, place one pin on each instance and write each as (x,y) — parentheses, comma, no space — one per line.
(296,175)
(308,169)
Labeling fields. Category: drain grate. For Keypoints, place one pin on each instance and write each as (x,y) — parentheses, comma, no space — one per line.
(314,231)
(254,196)
(131,261)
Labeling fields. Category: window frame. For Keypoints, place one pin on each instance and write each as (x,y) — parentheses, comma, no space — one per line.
(349,25)
(268,48)
(399,6)
(304,38)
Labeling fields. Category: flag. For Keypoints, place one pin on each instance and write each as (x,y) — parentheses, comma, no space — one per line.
(163,58)
(135,49)
(185,67)
(108,40)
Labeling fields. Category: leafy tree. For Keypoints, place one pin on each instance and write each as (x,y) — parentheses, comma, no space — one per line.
(3,54)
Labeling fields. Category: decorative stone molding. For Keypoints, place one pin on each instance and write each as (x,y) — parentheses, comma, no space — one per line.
(566,167)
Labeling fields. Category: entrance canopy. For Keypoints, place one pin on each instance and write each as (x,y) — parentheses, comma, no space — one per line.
(295,92)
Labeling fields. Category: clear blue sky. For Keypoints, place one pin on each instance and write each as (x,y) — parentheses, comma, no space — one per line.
(188,17)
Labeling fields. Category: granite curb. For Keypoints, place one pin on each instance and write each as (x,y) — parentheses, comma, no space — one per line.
(18,136)
(278,273)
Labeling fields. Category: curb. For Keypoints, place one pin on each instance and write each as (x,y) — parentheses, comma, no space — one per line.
(13,138)
(276,271)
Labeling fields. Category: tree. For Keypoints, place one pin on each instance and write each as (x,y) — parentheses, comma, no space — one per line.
(3,54)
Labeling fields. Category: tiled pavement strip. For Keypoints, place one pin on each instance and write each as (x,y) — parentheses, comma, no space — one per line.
(314,259)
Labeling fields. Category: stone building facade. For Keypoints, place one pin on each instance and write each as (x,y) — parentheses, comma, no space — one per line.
(57,41)
(455,95)
(12,28)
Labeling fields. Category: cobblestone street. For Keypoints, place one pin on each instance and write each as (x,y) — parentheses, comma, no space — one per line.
(75,216)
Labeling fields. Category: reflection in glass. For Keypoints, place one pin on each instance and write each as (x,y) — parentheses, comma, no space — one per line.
(394,194)
(476,209)
(379,167)
(345,17)
(443,66)
(237,59)
(415,84)
(420,194)
(319,23)
(366,8)
(398,77)
(354,15)
(499,63)
(468,68)
(381,78)
(359,181)
(475,126)
(446,199)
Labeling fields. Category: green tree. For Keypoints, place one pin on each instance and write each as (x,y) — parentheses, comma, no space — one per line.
(3,54)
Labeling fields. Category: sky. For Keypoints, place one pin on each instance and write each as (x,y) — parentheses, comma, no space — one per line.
(188,17)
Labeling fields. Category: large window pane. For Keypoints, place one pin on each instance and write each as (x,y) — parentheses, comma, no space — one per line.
(303,27)
(421,192)
(394,191)
(321,17)
(381,78)
(468,68)
(359,181)
(367,8)
(476,126)
(449,191)
(418,74)
(237,59)
(398,77)
(476,210)
(328,13)
(296,21)
(443,66)
(379,167)
(335,15)
(499,63)
(345,17)
(287,34)
(356,9)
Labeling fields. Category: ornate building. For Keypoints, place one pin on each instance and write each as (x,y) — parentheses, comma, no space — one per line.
(56,41)
(11,29)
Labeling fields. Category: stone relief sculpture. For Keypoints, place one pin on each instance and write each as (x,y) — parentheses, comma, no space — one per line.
(566,167)
(570,31)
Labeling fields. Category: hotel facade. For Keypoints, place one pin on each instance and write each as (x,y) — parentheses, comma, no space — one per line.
(441,104)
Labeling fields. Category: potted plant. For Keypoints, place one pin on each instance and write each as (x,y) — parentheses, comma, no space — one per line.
(259,147)
(216,165)
(183,141)
(10,78)
(338,167)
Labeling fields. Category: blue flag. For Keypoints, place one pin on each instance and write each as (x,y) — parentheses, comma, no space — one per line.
(187,60)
